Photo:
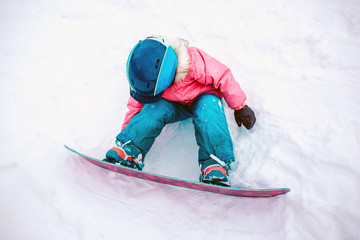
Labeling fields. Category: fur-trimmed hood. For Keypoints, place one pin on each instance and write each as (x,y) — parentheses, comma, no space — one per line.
(180,47)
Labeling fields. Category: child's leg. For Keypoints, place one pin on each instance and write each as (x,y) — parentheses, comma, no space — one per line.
(211,129)
(149,122)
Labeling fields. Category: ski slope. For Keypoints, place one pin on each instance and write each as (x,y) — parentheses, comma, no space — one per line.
(62,81)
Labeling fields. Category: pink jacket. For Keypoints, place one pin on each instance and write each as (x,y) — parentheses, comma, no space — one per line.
(205,75)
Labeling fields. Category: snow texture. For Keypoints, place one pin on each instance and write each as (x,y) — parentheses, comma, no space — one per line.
(62,81)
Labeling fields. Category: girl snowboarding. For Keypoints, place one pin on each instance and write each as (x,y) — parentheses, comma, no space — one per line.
(169,82)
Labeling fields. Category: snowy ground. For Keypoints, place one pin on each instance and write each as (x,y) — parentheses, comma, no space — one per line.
(62,81)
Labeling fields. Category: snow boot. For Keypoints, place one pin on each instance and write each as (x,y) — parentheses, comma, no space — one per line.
(126,155)
(214,171)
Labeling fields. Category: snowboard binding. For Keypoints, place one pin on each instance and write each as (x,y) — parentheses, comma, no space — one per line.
(214,171)
(126,155)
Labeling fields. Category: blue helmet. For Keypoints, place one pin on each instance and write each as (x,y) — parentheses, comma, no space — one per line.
(150,69)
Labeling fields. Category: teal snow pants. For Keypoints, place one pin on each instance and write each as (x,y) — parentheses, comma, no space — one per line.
(211,128)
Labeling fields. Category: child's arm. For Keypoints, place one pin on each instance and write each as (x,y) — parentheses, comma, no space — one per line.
(134,108)
(210,71)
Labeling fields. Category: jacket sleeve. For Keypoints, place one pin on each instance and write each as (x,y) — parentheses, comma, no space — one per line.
(210,71)
(134,108)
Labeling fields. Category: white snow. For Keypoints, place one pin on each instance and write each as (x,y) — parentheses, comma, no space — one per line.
(62,76)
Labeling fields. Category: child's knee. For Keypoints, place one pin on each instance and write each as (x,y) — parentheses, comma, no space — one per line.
(209,102)
(162,109)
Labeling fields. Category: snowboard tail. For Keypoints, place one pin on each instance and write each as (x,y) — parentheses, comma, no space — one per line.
(242,192)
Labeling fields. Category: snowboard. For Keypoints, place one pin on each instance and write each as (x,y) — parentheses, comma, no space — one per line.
(240,192)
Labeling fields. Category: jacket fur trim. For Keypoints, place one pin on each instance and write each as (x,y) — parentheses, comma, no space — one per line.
(180,47)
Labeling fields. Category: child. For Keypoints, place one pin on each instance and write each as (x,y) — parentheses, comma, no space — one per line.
(170,82)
